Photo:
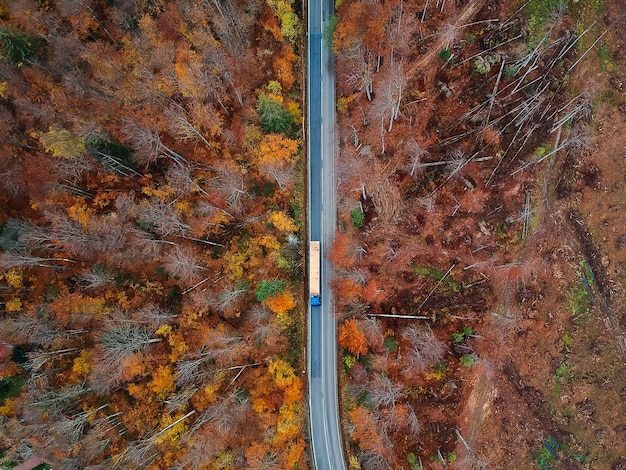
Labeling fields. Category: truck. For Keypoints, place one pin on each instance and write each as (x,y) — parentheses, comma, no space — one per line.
(314,273)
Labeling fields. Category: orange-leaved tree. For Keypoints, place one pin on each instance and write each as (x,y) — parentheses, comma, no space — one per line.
(366,432)
(277,154)
(352,338)
(280,304)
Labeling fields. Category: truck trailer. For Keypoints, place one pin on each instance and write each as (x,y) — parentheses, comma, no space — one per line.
(314,273)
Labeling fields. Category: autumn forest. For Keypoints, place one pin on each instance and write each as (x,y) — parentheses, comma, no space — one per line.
(153,233)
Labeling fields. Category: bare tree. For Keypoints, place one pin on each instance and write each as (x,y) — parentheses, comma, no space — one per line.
(72,170)
(24,329)
(579,106)
(373,333)
(424,349)
(180,399)
(153,316)
(123,338)
(283,173)
(11,177)
(93,444)
(228,299)
(373,461)
(361,65)
(179,176)
(144,245)
(38,358)
(266,330)
(201,447)
(104,235)
(416,152)
(56,401)
(14,260)
(139,454)
(384,396)
(191,371)
(182,262)
(120,339)
(107,236)
(62,231)
(162,218)
(577,140)
(183,128)
(74,428)
(98,276)
(230,184)
(229,351)
(382,392)
(226,415)
(147,144)
(413,425)
(525,216)
(358,275)
(386,105)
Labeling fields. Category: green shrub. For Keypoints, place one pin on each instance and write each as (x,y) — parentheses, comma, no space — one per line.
(459,336)
(290,25)
(539,13)
(562,370)
(413,461)
(607,61)
(348,361)
(467,360)
(579,300)
(391,344)
(357,217)
(469,37)
(567,339)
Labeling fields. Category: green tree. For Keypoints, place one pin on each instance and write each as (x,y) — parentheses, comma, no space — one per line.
(273,117)
(329,31)
(266,289)
(16,46)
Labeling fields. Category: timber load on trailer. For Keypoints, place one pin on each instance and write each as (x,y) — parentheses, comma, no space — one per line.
(314,273)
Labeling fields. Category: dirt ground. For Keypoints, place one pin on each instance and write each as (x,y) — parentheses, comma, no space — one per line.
(545,371)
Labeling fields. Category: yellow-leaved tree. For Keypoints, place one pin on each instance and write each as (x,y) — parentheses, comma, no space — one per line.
(62,143)
(282,221)
(162,382)
(277,155)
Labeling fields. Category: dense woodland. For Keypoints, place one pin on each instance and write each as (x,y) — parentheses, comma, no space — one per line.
(466,133)
(151,203)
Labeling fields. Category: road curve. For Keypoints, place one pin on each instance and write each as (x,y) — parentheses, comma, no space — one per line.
(325,429)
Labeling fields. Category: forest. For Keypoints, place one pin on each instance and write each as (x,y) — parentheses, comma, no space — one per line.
(151,218)
(479,258)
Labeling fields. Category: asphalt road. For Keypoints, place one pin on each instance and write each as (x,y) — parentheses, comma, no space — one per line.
(326,439)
